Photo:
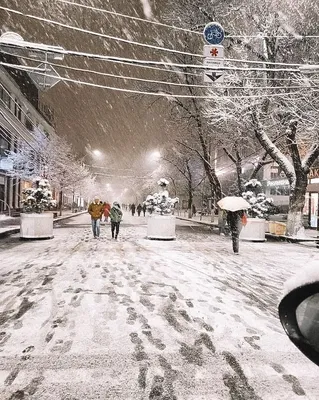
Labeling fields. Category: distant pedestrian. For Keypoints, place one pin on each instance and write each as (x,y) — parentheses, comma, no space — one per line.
(116,218)
(144,209)
(235,224)
(139,210)
(194,210)
(133,208)
(106,211)
(96,211)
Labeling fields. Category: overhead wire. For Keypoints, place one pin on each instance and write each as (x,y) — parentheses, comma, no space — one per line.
(105,73)
(102,35)
(128,16)
(259,35)
(158,94)
(137,43)
(151,80)
(151,62)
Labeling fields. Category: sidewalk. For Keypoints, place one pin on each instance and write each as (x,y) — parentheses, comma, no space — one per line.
(204,220)
(310,234)
(11,225)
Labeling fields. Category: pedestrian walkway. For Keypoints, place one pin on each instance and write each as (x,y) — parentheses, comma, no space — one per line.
(139,319)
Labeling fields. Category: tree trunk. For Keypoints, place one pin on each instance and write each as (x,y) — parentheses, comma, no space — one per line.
(240,181)
(296,205)
(190,202)
(61,202)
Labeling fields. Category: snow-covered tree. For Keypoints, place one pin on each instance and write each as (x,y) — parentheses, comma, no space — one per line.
(273,104)
(261,206)
(38,198)
(189,169)
(52,158)
(161,203)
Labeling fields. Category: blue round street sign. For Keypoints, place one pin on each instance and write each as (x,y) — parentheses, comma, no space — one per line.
(214,33)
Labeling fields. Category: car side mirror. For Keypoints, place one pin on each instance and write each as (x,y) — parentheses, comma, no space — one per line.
(299,316)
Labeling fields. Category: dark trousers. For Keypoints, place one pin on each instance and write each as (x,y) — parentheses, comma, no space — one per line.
(233,219)
(235,240)
(115,227)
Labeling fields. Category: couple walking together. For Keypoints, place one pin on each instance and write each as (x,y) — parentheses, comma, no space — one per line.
(96,210)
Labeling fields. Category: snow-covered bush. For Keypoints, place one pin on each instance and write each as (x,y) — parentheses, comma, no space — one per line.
(38,198)
(161,203)
(261,205)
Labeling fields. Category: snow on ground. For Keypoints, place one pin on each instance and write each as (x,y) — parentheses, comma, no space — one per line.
(137,319)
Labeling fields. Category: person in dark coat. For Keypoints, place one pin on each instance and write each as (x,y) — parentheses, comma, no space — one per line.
(139,210)
(116,215)
(235,225)
(144,209)
(133,208)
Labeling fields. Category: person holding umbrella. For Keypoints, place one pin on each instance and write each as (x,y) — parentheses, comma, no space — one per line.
(236,216)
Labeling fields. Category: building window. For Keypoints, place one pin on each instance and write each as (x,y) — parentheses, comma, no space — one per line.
(5,96)
(279,191)
(28,123)
(4,147)
(17,110)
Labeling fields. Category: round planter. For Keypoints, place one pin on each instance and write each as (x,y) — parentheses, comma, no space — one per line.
(161,227)
(254,230)
(36,226)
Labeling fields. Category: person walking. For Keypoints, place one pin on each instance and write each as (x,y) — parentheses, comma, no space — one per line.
(144,209)
(139,210)
(96,211)
(106,211)
(235,219)
(116,215)
(193,210)
(133,208)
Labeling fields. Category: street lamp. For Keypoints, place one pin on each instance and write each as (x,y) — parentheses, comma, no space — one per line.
(97,153)
(156,155)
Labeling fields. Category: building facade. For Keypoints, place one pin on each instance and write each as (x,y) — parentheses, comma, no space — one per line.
(20,113)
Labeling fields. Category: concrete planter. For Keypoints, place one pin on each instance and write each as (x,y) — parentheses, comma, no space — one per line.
(36,226)
(254,230)
(161,227)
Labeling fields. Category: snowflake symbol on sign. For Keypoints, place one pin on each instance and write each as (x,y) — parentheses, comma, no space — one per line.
(214,52)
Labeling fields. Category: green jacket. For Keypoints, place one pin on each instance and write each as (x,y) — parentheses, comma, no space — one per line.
(96,210)
(116,214)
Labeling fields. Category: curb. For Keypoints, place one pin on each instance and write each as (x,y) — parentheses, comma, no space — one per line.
(12,231)
(199,222)
(69,216)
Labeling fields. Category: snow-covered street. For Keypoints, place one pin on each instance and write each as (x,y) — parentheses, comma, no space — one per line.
(138,319)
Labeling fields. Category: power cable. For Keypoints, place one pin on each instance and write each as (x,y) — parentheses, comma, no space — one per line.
(159,94)
(155,81)
(119,62)
(128,16)
(37,47)
(259,35)
(136,43)
(74,28)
